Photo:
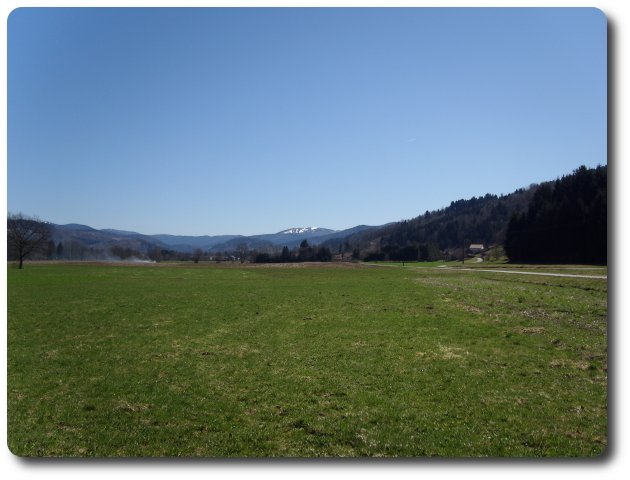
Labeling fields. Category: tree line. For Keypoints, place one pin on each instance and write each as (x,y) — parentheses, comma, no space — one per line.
(566,221)
(305,253)
(424,252)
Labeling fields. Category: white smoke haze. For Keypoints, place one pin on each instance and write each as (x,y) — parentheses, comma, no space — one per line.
(77,250)
(108,256)
(138,260)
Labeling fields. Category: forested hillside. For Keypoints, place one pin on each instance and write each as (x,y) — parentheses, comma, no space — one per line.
(566,221)
(476,220)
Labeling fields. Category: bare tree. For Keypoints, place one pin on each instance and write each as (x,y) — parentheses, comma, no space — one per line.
(271,249)
(197,254)
(156,255)
(241,251)
(26,235)
(78,250)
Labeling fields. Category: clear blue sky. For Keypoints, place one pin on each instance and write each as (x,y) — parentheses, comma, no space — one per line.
(251,121)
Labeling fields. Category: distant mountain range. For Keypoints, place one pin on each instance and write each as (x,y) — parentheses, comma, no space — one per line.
(476,220)
(108,237)
(479,220)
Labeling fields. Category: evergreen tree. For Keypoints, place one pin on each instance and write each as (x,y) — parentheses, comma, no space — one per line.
(60,253)
(323,255)
(564,223)
(285,256)
(306,253)
(263,258)
(50,250)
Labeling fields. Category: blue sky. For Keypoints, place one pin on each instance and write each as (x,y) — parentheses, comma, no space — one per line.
(251,121)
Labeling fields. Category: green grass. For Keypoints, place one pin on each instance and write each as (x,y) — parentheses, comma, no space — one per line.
(211,361)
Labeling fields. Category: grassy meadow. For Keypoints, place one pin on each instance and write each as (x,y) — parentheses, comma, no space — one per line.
(219,360)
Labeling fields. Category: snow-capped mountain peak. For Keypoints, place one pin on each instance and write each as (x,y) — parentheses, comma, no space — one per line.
(299,230)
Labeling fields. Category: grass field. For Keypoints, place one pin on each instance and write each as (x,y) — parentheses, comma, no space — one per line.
(211,360)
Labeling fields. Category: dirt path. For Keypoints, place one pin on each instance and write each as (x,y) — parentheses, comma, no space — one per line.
(527,273)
